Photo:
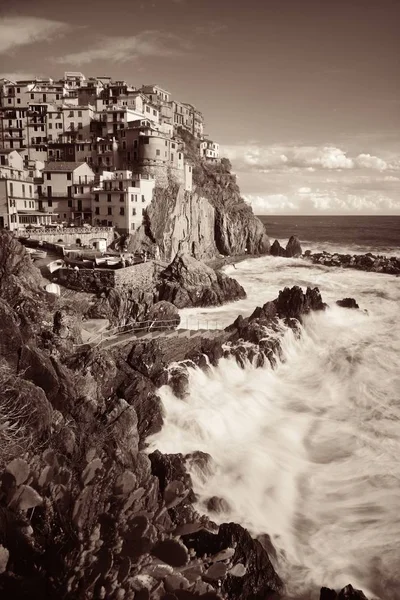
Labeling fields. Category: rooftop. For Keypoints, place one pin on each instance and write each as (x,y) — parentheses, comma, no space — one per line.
(62,166)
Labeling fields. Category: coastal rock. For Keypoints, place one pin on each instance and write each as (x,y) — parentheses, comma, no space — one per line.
(122,306)
(189,282)
(277,250)
(293,247)
(292,303)
(163,315)
(347,593)
(347,303)
(361,262)
(260,580)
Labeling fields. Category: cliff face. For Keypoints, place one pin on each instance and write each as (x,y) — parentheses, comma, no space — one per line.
(212,218)
(179,220)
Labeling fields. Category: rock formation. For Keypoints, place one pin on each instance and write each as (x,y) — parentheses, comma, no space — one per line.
(293,247)
(188,282)
(84,512)
(361,262)
(292,250)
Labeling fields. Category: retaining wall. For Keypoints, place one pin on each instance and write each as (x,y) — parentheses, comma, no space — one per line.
(71,236)
(139,276)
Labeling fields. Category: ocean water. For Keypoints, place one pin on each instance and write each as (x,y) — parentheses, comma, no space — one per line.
(307,452)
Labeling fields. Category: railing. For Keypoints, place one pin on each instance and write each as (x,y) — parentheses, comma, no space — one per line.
(167,326)
(73,229)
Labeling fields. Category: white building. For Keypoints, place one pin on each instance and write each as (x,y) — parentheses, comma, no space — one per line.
(66,191)
(121,200)
(209,150)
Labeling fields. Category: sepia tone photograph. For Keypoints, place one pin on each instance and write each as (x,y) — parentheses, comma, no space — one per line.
(199,300)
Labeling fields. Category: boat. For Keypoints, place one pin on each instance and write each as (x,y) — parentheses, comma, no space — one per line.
(113,262)
(101,262)
(55,265)
(38,254)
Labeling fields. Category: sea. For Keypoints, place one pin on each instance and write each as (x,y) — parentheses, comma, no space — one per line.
(307,452)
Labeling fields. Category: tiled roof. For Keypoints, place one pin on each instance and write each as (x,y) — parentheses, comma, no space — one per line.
(62,166)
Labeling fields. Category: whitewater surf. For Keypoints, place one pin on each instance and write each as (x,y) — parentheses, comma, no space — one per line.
(306,452)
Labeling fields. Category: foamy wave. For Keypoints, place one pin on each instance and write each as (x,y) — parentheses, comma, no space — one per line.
(308,452)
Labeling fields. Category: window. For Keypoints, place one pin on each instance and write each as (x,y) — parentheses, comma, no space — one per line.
(122,211)
(166,143)
(158,153)
(133,212)
(121,197)
(24,203)
(32,96)
(71,113)
(44,98)
(50,125)
(48,175)
(132,226)
(80,126)
(143,211)
(154,112)
(108,197)
(50,202)
(18,100)
(70,203)
(9,101)
(97,210)
(172,157)
(23,190)
(69,191)
(173,145)
(147,109)
(69,176)
(96,197)
(109,210)
(30,190)
(18,90)
(57,96)
(79,113)
(143,198)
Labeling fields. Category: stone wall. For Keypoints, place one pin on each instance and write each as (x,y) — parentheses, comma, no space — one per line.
(139,276)
(162,174)
(70,235)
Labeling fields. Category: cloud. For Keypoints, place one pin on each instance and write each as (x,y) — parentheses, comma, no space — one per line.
(21,31)
(328,201)
(211,29)
(255,157)
(124,49)
(371,162)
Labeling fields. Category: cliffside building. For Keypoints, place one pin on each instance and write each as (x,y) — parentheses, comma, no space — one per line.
(65,191)
(121,200)
(209,151)
(18,197)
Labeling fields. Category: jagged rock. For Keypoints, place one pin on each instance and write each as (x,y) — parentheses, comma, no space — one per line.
(260,580)
(122,306)
(277,250)
(347,303)
(292,303)
(293,247)
(189,282)
(347,593)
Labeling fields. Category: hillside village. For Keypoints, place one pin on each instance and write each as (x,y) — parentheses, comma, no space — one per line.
(89,152)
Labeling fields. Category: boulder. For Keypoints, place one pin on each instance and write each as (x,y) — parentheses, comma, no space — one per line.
(189,282)
(293,247)
(347,303)
(347,593)
(277,250)
(163,315)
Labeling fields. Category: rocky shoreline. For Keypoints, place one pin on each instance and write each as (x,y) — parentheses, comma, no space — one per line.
(84,511)
(362,262)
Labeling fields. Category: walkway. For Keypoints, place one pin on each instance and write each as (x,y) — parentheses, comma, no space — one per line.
(148,330)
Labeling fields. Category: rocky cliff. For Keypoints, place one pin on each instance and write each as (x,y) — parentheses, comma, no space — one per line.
(212,218)
(84,512)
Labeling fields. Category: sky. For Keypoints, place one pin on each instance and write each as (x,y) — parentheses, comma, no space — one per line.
(302,95)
